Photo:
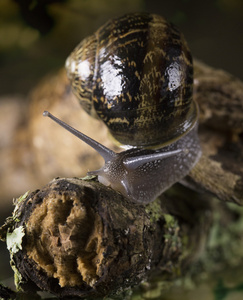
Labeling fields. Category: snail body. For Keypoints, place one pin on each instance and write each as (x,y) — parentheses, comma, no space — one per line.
(143,174)
(135,74)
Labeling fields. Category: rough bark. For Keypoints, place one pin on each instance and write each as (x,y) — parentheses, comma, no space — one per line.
(79,238)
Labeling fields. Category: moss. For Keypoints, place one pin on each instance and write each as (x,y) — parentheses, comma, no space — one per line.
(154,210)
(225,246)
(173,228)
(170,221)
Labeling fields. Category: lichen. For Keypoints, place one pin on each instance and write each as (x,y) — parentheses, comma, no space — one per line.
(18,279)
(14,239)
(10,222)
(17,203)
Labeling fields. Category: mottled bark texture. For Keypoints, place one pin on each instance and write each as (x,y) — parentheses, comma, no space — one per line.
(220,169)
(79,238)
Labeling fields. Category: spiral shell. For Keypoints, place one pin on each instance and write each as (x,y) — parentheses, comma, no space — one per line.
(135,73)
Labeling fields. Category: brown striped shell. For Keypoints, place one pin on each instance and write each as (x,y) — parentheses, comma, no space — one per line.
(135,73)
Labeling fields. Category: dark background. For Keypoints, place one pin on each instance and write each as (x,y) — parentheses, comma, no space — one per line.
(37,36)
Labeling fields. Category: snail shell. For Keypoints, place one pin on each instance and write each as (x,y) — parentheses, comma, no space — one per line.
(135,73)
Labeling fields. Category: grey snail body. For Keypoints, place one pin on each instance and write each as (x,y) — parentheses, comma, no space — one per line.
(135,74)
(143,174)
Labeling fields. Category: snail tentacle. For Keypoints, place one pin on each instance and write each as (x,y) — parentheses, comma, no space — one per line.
(132,163)
(105,152)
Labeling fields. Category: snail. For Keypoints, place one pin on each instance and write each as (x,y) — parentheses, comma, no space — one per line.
(135,73)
